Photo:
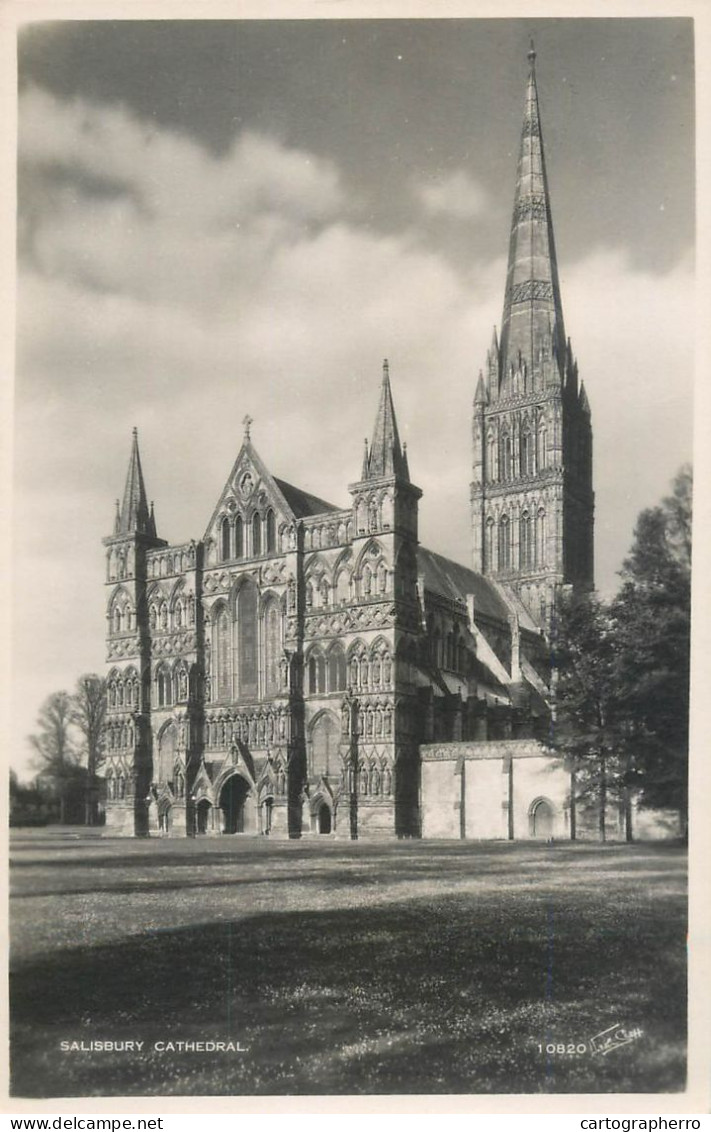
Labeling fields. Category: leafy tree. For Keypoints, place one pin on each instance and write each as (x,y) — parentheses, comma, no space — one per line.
(52,742)
(89,716)
(586,724)
(652,614)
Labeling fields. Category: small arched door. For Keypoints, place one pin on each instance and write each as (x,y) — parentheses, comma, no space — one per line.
(203,815)
(542,819)
(324,822)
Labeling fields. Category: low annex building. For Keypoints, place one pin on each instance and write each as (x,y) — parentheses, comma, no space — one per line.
(305,668)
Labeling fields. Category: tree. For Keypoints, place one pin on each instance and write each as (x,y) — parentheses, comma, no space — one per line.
(586,724)
(56,757)
(89,716)
(652,615)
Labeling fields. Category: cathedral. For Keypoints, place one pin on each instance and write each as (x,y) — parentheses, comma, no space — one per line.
(304,669)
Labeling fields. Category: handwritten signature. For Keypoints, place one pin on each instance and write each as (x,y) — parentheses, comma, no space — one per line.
(613,1038)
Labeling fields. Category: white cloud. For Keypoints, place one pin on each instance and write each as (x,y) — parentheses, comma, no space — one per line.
(456,194)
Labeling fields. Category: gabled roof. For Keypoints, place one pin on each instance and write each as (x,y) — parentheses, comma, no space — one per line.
(454,581)
(301,502)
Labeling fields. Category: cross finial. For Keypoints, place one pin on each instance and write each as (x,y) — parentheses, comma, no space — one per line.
(532,53)
(247,422)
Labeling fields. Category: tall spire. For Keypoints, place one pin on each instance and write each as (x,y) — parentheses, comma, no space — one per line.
(134,517)
(532,299)
(385,457)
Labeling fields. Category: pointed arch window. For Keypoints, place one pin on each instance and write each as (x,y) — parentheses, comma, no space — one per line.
(342,587)
(489,545)
(490,456)
(504,543)
(337,669)
(325,739)
(221,652)
(526,541)
(526,452)
(239,537)
(541,537)
(271,532)
(272,647)
(225,539)
(256,534)
(317,674)
(542,453)
(247,640)
(505,457)
(165,688)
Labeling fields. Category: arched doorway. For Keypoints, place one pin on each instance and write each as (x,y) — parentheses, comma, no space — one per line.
(203,815)
(323,819)
(234,803)
(164,817)
(267,807)
(542,819)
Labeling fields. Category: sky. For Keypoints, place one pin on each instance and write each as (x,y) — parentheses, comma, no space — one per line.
(218,218)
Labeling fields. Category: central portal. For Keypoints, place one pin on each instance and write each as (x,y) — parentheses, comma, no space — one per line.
(235,797)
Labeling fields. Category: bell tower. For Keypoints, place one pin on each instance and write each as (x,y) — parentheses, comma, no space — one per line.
(128,739)
(531,494)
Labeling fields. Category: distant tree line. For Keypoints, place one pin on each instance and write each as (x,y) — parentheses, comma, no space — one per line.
(621,673)
(68,749)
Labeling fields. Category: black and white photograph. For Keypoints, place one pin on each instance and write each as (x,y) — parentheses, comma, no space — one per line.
(352,534)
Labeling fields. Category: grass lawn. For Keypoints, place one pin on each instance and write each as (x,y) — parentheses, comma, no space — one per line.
(412,967)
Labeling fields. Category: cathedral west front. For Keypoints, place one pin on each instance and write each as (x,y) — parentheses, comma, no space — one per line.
(304,669)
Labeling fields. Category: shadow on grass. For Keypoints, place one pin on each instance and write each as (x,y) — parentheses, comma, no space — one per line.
(455,994)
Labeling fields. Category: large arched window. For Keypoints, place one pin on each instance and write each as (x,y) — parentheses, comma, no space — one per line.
(337,675)
(167,745)
(221,654)
(247,641)
(271,532)
(239,537)
(526,541)
(256,534)
(225,539)
(325,739)
(272,647)
(504,543)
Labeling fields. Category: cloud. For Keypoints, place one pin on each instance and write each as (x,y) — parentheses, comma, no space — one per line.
(456,194)
(148,306)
